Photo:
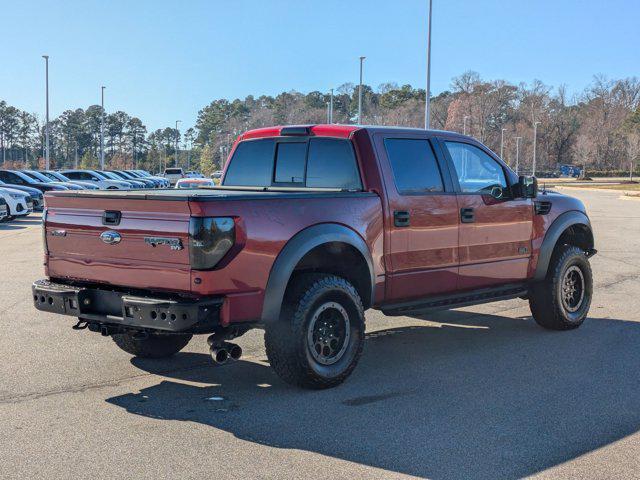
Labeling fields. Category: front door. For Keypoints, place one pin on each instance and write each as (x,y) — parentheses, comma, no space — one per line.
(495,233)
(422,218)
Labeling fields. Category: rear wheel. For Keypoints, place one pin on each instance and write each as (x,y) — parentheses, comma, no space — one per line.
(319,338)
(151,346)
(562,300)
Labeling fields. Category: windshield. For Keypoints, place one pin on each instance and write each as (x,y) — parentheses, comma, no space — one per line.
(100,175)
(38,176)
(111,175)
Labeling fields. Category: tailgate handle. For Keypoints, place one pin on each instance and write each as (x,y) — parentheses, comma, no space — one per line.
(111,217)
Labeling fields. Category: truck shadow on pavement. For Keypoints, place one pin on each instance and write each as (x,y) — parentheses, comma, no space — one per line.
(478,396)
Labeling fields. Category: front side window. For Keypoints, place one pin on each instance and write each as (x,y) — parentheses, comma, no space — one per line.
(414,165)
(477,172)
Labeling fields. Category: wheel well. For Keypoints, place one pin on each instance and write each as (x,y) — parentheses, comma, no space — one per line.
(339,259)
(579,235)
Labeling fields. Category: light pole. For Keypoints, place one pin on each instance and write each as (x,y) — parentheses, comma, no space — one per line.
(502,143)
(535,138)
(177,140)
(518,153)
(427,103)
(331,107)
(360,93)
(328,112)
(464,124)
(102,128)
(46,128)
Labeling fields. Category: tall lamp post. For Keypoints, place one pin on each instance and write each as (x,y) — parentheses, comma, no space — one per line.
(535,139)
(502,143)
(102,128)
(46,128)
(177,140)
(464,124)
(518,153)
(427,103)
(360,93)
(331,107)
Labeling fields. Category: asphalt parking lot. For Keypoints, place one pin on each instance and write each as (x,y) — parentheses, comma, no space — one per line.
(481,392)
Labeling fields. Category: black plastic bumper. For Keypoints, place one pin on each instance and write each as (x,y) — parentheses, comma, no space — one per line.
(107,307)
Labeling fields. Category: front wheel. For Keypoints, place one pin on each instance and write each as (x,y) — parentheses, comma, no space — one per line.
(320,335)
(151,346)
(562,300)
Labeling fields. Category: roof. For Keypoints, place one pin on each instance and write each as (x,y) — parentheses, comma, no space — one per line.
(334,130)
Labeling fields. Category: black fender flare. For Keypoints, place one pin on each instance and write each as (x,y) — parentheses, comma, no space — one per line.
(552,236)
(296,248)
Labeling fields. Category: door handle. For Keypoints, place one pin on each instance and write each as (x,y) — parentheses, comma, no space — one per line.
(467,215)
(401,218)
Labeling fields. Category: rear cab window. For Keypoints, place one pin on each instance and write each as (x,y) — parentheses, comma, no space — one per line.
(173,171)
(315,162)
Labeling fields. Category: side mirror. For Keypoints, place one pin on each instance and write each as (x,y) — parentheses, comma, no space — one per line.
(528,186)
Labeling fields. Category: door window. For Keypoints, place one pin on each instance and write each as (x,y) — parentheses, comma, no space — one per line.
(477,172)
(414,165)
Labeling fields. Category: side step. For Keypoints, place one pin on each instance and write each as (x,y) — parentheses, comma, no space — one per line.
(465,299)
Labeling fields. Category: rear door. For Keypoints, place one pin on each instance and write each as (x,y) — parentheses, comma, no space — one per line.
(422,258)
(495,234)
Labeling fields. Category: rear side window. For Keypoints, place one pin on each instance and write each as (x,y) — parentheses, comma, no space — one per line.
(290,162)
(332,164)
(414,165)
(251,165)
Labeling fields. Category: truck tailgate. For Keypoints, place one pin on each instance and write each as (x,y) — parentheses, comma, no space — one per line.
(151,252)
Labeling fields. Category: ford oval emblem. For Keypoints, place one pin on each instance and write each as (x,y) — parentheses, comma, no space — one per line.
(110,237)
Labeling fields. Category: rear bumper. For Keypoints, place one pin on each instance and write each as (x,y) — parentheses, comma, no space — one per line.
(142,312)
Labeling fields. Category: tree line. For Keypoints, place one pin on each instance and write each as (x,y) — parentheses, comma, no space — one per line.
(599,128)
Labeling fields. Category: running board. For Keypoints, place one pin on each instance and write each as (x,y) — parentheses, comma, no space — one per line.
(473,297)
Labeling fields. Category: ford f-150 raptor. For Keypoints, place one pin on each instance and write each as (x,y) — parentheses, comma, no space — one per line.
(310,227)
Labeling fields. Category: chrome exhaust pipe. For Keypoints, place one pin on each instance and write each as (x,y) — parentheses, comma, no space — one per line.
(235,351)
(220,355)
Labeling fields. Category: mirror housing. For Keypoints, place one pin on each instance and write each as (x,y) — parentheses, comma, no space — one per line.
(527,186)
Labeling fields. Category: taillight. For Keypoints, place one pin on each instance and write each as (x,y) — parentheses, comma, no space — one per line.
(210,239)
(44,231)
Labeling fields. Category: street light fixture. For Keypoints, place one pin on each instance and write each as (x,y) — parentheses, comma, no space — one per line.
(360,93)
(177,140)
(102,127)
(427,103)
(46,128)
(535,139)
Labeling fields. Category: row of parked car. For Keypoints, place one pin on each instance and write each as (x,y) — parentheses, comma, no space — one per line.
(21,191)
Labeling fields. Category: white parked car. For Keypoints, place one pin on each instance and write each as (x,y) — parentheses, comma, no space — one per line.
(193,174)
(19,203)
(194,183)
(4,210)
(173,175)
(99,179)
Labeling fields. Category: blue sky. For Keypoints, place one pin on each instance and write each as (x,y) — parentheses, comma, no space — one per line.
(164,60)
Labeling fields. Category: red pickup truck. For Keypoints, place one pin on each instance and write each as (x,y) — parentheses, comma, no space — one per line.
(310,227)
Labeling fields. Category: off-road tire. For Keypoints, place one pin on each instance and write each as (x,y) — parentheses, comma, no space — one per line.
(546,297)
(152,346)
(287,340)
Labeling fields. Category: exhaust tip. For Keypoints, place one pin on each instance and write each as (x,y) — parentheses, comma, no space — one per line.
(235,351)
(219,355)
